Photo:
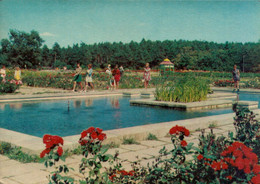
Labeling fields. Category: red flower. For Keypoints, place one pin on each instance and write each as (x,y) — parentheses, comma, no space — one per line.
(239,163)
(99,130)
(51,141)
(256,169)
(60,151)
(177,129)
(46,151)
(112,177)
(183,143)
(123,172)
(84,134)
(200,156)
(102,136)
(256,179)
(216,166)
(229,177)
(83,142)
(94,135)
(131,173)
(90,130)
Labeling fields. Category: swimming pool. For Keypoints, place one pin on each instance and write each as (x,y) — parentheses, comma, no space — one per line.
(54,117)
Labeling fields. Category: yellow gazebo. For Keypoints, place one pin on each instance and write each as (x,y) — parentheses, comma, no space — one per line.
(166,67)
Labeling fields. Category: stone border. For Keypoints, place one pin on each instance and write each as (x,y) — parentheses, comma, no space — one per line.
(192,106)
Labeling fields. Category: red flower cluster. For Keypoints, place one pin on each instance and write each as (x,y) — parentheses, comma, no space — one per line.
(241,157)
(125,173)
(183,143)
(122,172)
(51,141)
(91,134)
(219,165)
(179,129)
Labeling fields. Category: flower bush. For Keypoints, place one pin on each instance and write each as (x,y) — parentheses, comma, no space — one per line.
(9,85)
(51,156)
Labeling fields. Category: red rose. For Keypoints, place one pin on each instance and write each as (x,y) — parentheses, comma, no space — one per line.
(102,136)
(200,156)
(183,143)
(94,135)
(84,134)
(229,177)
(256,169)
(239,163)
(256,179)
(60,151)
(99,130)
(90,130)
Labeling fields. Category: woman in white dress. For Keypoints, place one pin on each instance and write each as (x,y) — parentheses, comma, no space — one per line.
(89,80)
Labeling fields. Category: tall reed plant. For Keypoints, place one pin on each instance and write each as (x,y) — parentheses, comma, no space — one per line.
(187,89)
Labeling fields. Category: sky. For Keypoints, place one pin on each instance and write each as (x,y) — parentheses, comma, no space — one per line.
(92,21)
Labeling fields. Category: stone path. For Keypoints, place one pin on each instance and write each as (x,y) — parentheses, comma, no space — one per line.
(14,172)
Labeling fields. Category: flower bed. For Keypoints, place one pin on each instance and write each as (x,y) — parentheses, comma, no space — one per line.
(232,159)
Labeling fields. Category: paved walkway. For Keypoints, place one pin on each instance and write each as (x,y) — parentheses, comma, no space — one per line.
(14,172)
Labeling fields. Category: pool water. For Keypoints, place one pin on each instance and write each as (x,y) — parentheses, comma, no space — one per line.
(54,117)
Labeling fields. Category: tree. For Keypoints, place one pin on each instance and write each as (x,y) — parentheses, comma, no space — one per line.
(23,49)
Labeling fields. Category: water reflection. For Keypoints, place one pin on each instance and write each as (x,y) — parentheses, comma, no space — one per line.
(115,103)
(2,106)
(89,102)
(16,106)
(77,103)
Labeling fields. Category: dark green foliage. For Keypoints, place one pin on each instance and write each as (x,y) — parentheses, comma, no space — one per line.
(24,49)
(247,128)
(186,89)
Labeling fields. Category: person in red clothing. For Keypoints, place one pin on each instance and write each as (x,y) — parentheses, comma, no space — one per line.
(116,74)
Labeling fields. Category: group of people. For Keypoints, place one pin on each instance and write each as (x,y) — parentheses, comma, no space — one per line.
(17,74)
(114,77)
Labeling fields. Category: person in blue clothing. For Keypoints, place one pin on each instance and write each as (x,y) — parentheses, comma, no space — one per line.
(236,78)
(89,80)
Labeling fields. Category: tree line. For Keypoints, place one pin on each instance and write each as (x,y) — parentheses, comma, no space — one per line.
(27,51)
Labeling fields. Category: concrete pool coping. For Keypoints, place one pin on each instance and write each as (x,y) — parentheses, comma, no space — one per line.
(34,145)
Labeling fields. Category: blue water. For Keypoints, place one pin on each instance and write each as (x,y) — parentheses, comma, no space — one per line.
(53,117)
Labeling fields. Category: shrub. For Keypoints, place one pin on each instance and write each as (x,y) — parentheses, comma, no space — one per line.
(9,86)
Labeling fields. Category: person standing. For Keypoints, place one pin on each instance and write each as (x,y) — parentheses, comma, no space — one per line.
(111,78)
(89,80)
(77,77)
(236,78)
(147,75)
(116,74)
(121,69)
(3,73)
(17,74)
